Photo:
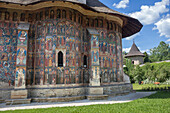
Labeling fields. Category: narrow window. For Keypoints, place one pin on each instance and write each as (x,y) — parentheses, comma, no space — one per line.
(6,15)
(64,13)
(60,59)
(58,13)
(81,19)
(85,61)
(22,17)
(52,14)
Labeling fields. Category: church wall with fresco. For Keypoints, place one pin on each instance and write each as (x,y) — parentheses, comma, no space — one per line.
(54,30)
(60,48)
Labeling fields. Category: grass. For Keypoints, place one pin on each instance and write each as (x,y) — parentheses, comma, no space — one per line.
(138,87)
(156,103)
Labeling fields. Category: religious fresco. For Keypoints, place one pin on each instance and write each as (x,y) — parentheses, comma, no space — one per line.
(22,38)
(21,56)
(8,51)
(20,77)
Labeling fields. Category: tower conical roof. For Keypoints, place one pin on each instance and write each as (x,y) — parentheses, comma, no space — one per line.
(134,51)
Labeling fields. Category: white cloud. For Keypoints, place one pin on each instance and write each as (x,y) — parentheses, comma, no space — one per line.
(163,26)
(126,50)
(133,36)
(150,14)
(122,4)
(168,40)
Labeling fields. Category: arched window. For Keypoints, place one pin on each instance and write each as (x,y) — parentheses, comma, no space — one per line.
(79,18)
(52,14)
(85,61)
(22,18)
(6,15)
(64,13)
(60,59)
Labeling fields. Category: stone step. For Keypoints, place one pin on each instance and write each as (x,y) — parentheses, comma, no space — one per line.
(17,101)
(58,99)
(97,97)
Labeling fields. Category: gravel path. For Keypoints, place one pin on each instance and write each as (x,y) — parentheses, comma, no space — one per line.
(111,100)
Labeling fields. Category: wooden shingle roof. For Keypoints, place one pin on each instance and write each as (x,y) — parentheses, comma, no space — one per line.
(134,51)
(130,25)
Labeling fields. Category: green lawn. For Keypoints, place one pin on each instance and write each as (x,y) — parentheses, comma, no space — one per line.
(156,103)
(138,87)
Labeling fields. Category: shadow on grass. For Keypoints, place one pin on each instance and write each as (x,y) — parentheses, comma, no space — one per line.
(160,95)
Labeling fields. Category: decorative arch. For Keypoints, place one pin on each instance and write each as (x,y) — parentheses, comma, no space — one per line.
(60,57)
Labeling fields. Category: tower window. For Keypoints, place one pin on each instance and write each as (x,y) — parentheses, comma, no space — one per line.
(64,13)
(85,61)
(60,59)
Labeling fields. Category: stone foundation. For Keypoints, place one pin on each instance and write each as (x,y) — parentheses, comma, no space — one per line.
(64,93)
(18,101)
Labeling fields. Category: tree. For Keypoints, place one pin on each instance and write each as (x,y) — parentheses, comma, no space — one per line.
(160,53)
(146,58)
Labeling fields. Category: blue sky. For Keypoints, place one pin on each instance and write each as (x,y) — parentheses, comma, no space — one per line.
(153,14)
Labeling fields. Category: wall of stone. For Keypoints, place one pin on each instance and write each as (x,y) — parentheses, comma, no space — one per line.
(118,89)
(137,60)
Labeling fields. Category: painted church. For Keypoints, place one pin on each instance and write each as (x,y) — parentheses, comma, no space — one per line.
(61,48)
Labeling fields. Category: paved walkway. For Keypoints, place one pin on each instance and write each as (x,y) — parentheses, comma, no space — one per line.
(111,100)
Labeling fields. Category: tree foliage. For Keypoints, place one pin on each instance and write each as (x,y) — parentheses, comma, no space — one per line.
(160,53)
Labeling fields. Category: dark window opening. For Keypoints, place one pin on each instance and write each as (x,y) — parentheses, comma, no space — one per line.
(87,21)
(92,23)
(60,59)
(37,16)
(85,61)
